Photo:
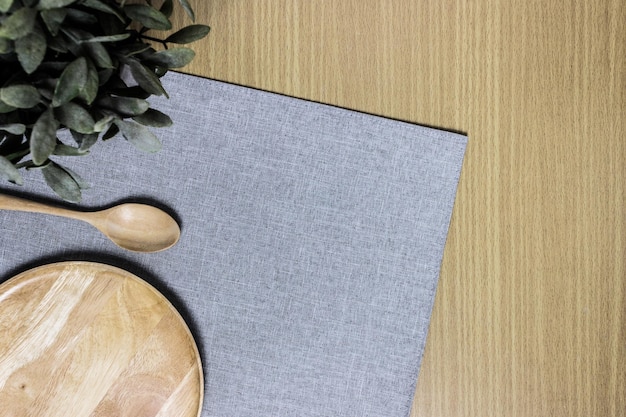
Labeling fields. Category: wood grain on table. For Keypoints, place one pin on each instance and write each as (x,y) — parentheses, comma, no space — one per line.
(530,313)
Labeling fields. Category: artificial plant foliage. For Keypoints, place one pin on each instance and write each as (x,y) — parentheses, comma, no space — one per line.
(86,67)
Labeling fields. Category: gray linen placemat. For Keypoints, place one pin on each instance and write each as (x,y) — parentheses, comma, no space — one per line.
(311,247)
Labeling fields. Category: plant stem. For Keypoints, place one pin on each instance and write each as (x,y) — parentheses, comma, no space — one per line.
(19,154)
(25,164)
(150,38)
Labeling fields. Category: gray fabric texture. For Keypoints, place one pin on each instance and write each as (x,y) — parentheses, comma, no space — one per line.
(312,238)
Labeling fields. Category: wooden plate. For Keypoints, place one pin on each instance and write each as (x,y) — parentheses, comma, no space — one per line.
(86,339)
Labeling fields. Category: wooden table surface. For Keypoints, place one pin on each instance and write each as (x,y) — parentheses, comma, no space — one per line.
(530,313)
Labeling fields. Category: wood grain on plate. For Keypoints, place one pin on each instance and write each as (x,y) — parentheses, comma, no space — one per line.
(88,339)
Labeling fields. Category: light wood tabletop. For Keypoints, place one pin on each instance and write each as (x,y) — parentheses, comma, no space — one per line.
(530,312)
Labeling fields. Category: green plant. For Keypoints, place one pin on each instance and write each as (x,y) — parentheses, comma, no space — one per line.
(86,67)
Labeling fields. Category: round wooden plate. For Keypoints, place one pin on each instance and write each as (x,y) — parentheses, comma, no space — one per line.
(87,339)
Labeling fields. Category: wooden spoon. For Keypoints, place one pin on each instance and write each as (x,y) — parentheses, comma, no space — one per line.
(131,226)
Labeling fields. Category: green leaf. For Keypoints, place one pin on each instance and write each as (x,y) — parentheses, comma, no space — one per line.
(5,5)
(66,150)
(43,138)
(18,24)
(146,78)
(89,91)
(82,184)
(109,38)
(167,8)
(59,44)
(52,4)
(75,117)
(21,96)
(160,71)
(104,123)
(116,83)
(104,76)
(189,34)
(172,58)
(61,182)
(136,48)
(9,172)
(139,136)
(5,108)
(148,16)
(134,91)
(71,81)
(14,128)
(84,141)
(45,86)
(113,130)
(31,49)
(102,7)
(53,68)
(99,54)
(75,35)
(111,24)
(5,46)
(53,19)
(188,9)
(154,118)
(80,18)
(127,106)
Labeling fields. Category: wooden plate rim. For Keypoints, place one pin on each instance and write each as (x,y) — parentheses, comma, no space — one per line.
(23,276)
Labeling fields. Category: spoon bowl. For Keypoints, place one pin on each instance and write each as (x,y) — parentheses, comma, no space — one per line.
(139,227)
(131,226)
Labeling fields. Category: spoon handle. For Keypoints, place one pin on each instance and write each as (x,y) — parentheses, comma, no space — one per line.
(8,202)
